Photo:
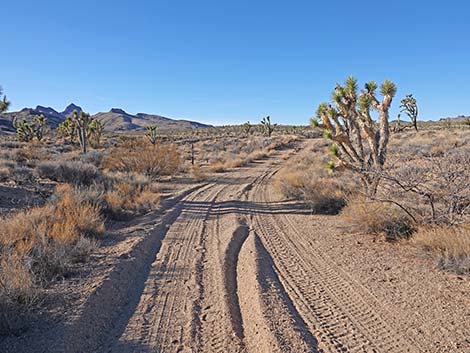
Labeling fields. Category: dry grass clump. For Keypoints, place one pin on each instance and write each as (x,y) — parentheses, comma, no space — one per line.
(450,246)
(217,167)
(197,173)
(376,217)
(126,199)
(73,172)
(94,157)
(128,194)
(305,177)
(38,245)
(5,173)
(21,174)
(140,156)
(322,194)
(26,155)
(256,155)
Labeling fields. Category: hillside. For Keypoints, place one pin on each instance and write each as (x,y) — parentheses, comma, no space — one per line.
(119,120)
(116,120)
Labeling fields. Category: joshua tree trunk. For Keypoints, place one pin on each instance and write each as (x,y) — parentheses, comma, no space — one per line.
(82,121)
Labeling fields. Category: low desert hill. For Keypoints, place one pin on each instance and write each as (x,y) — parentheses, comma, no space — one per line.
(116,120)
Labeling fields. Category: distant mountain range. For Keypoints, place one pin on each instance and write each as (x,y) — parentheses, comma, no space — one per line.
(116,120)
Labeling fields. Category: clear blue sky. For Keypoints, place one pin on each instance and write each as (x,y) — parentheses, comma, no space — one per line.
(231,61)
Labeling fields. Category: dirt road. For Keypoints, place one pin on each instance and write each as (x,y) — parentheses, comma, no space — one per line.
(231,268)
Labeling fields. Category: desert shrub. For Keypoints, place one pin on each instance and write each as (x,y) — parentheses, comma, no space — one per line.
(255,155)
(375,217)
(12,144)
(217,167)
(449,246)
(433,189)
(322,194)
(5,173)
(21,174)
(140,156)
(72,172)
(28,155)
(236,162)
(94,157)
(17,292)
(306,178)
(197,173)
(39,244)
(129,194)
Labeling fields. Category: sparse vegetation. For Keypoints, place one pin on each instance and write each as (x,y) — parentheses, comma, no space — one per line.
(305,178)
(376,217)
(73,172)
(38,245)
(449,246)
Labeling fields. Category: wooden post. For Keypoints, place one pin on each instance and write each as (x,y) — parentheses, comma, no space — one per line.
(192,153)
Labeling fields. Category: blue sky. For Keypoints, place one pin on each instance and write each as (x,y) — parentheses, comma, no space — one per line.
(227,62)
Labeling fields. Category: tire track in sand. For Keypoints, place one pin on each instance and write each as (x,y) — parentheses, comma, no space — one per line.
(162,320)
(271,322)
(342,314)
(218,322)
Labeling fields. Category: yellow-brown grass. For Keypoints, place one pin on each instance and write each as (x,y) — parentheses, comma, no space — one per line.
(126,198)
(375,217)
(217,167)
(38,244)
(450,246)
(140,156)
(197,173)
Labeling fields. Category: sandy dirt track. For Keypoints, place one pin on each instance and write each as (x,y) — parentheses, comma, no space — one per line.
(230,267)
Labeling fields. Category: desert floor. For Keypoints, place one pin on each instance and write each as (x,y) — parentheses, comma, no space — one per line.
(227,265)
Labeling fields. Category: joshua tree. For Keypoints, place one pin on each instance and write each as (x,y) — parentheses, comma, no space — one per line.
(152,134)
(246,128)
(410,107)
(4,103)
(267,127)
(68,128)
(81,121)
(39,126)
(467,122)
(24,130)
(27,130)
(95,130)
(359,143)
